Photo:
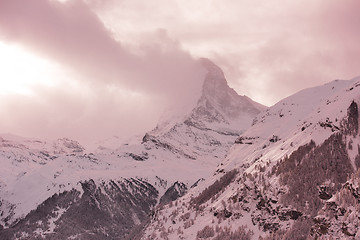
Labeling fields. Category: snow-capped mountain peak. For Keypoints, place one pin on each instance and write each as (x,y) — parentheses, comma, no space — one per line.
(286,177)
(59,175)
(294,174)
(218,108)
(214,121)
(219,102)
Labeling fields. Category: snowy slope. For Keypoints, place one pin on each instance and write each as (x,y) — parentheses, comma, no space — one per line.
(311,114)
(60,177)
(179,152)
(23,183)
(306,143)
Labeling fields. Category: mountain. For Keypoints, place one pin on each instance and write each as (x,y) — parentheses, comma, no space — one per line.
(292,175)
(59,190)
(215,121)
(228,168)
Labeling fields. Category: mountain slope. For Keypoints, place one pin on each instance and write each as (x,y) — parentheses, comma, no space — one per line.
(47,184)
(282,177)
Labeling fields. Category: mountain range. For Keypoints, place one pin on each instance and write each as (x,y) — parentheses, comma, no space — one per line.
(229,168)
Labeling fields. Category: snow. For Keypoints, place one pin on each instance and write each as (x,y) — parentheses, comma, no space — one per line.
(296,121)
(33,170)
(287,118)
(58,213)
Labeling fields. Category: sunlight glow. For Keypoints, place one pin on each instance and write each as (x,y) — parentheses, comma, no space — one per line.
(21,71)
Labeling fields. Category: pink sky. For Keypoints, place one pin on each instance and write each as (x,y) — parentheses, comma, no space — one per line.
(113,66)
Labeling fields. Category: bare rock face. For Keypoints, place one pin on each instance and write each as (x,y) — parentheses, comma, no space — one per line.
(221,104)
(351,123)
(217,94)
(177,190)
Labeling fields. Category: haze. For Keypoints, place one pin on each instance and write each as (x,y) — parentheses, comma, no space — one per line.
(91,69)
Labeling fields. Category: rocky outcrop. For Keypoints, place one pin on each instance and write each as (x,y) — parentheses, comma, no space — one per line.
(177,190)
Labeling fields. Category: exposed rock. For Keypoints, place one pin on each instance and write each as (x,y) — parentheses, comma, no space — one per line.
(177,190)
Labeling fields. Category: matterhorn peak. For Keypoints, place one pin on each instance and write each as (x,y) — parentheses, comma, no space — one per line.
(219,103)
(214,83)
(212,69)
(213,122)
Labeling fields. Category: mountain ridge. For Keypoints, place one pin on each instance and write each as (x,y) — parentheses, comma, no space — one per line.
(297,156)
(229,168)
(71,177)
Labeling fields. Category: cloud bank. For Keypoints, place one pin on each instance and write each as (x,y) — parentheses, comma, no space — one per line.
(268,49)
(129,59)
(113,89)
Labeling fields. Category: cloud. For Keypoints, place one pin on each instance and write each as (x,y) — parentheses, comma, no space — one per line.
(72,34)
(126,86)
(138,55)
(68,32)
(268,49)
(92,115)
(291,46)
